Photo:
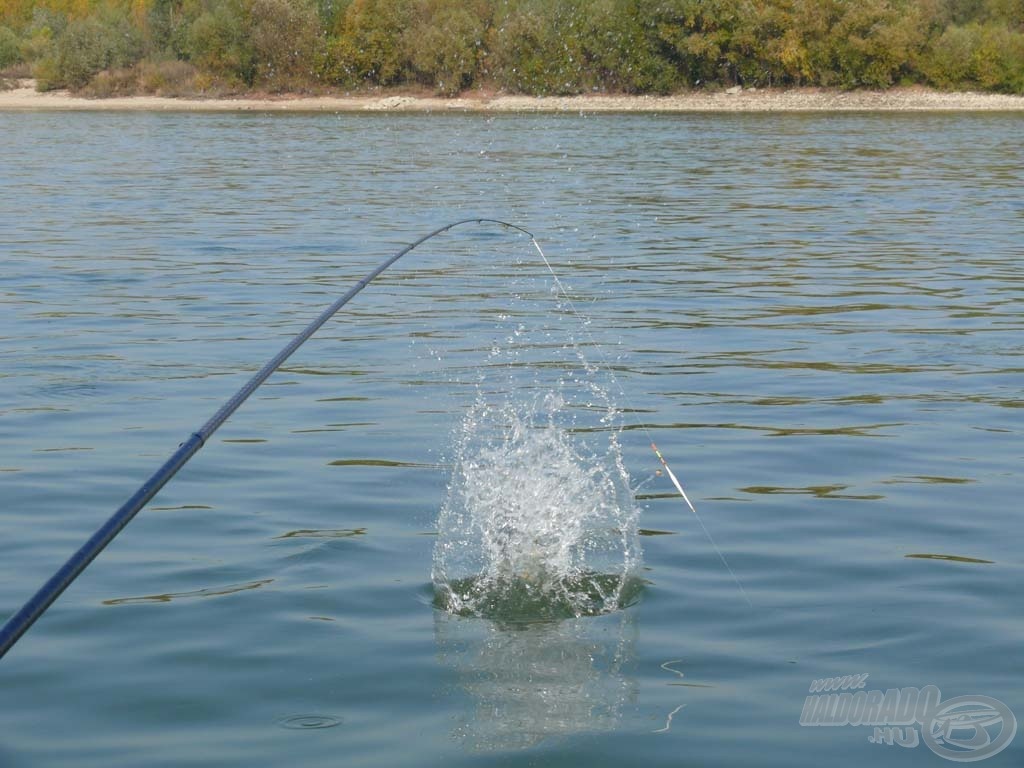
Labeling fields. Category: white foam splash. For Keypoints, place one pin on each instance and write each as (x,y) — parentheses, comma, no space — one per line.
(539,520)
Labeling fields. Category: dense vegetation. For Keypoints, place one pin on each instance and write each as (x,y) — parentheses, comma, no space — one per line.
(528,46)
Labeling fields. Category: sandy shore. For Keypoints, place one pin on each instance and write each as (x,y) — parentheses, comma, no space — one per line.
(25,97)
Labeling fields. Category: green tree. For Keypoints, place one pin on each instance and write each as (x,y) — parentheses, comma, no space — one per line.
(167,24)
(620,51)
(331,12)
(446,43)
(540,48)
(219,42)
(1009,12)
(368,48)
(89,46)
(877,41)
(10,48)
(694,35)
(286,42)
(988,56)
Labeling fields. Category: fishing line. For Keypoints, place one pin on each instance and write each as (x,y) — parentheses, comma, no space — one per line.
(584,323)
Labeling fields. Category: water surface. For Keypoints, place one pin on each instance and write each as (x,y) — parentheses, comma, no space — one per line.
(818,318)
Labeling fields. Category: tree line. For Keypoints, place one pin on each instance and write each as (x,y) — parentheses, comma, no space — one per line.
(536,47)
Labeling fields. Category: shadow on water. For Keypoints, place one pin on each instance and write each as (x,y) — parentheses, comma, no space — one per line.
(514,601)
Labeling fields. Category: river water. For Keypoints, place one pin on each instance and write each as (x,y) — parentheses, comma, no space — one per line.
(818,318)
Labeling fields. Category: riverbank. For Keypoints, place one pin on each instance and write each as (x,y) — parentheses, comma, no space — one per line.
(916,99)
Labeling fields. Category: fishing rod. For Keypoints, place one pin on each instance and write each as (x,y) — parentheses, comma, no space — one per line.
(20,622)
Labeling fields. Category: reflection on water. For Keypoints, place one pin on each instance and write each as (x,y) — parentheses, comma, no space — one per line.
(817,491)
(952,558)
(308,533)
(171,596)
(528,682)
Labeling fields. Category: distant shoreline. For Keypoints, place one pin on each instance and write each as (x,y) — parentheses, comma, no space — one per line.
(914,99)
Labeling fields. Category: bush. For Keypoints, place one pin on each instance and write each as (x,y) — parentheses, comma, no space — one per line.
(218,41)
(876,42)
(369,47)
(620,50)
(168,77)
(988,56)
(949,62)
(87,47)
(167,24)
(537,48)
(331,12)
(286,42)
(39,47)
(111,82)
(998,60)
(10,48)
(1008,12)
(445,46)
(694,35)
(764,48)
(528,46)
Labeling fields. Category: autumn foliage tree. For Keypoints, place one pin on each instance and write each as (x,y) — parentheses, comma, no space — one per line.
(527,46)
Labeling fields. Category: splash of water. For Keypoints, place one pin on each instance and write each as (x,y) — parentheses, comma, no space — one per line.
(539,521)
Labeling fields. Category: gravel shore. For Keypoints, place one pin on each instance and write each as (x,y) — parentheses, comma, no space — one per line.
(25,97)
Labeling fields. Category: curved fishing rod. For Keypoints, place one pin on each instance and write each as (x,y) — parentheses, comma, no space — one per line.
(19,623)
